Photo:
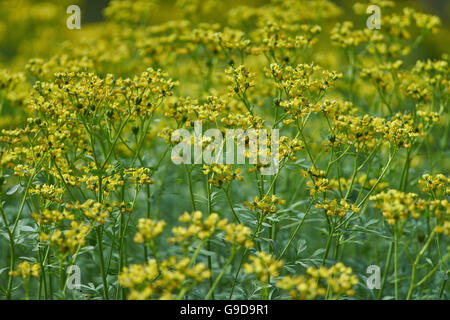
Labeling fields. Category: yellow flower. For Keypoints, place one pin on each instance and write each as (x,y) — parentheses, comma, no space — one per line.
(263,265)
(236,233)
(266,205)
(434,183)
(197,227)
(397,205)
(332,208)
(25,270)
(221,173)
(311,285)
(148,229)
(163,280)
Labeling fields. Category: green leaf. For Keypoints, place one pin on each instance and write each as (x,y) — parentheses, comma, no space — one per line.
(13,189)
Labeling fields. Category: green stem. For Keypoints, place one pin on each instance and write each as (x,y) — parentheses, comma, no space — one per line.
(432,272)
(231,206)
(328,245)
(208,244)
(296,230)
(102,263)
(396,262)
(12,232)
(191,192)
(216,282)
(122,126)
(386,167)
(355,172)
(386,270)
(61,275)
(416,263)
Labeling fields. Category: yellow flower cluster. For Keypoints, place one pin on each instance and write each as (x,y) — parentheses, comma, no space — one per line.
(275,36)
(243,121)
(50,216)
(266,205)
(139,176)
(221,173)
(440,208)
(241,79)
(366,132)
(382,76)
(288,148)
(129,12)
(335,208)
(203,229)
(361,179)
(361,132)
(7,158)
(434,183)
(345,36)
(401,130)
(318,183)
(92,209)
(445,228)
(136,274)
(148,229)
(50,192)
(427,21)
(304,78)
(26,270)
(8,79)
(237,234)
(163,280)
(198,227)
(339,278)
(263,266)
(397,205)
(68,241)
(434,72)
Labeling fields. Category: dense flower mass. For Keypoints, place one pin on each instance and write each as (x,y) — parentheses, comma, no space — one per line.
(339,278)
(106,133)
